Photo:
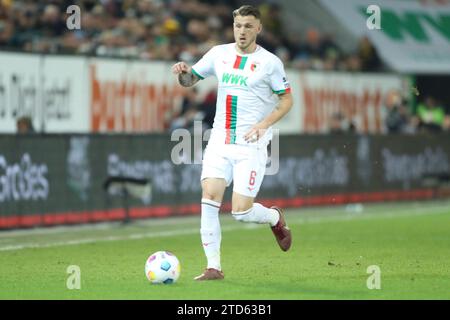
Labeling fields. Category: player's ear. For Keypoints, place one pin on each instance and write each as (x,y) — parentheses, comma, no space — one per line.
(259,27)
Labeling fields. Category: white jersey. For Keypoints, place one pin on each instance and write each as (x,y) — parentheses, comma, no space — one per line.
(248,84)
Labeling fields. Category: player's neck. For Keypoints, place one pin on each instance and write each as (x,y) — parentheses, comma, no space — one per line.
(250,49)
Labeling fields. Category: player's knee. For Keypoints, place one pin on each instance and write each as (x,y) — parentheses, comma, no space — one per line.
(212,190)
(242,216)
(210,194)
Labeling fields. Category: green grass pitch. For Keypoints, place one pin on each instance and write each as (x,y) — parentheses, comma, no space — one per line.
(331,251)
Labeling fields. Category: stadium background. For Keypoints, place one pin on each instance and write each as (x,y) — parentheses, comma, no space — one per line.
(363,155)
(79,106)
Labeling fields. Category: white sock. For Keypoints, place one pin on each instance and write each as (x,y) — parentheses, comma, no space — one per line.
(258,214)
(211,233)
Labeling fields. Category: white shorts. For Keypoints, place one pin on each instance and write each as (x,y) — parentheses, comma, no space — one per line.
(244,165)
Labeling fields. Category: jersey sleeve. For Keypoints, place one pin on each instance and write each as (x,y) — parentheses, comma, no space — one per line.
(278,79)
(205,66)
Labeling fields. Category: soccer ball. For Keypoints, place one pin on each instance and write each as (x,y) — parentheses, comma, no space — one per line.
(162,267)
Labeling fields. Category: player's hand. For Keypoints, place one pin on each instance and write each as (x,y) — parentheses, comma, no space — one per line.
(256,132)
(180,67)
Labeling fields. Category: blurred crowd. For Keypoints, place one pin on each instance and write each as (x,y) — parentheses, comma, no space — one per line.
(429,116)
(401,116)
(175,30)
(166,30)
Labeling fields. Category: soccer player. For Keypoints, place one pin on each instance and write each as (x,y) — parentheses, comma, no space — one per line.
(253,94)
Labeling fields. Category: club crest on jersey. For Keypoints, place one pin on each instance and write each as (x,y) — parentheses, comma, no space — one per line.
(254,66)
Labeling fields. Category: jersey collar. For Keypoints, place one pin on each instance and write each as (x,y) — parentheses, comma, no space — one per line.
(258,47)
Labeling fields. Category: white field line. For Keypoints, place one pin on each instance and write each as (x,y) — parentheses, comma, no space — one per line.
(239,226)
(94,226)
(135,236)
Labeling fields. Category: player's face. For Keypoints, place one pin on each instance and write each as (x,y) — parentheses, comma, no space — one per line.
(246,29)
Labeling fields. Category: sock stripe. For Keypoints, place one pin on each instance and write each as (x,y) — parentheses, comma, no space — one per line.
(211,203)
(239,213)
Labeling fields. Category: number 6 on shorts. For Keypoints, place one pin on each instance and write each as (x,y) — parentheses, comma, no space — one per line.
(251,182)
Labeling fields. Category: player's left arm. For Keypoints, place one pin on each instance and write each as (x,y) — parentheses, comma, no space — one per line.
(283,107)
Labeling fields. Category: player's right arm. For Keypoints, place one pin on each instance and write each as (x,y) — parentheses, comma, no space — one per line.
(185,76)
(188,76)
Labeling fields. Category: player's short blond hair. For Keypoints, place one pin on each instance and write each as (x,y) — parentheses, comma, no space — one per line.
(247,10)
